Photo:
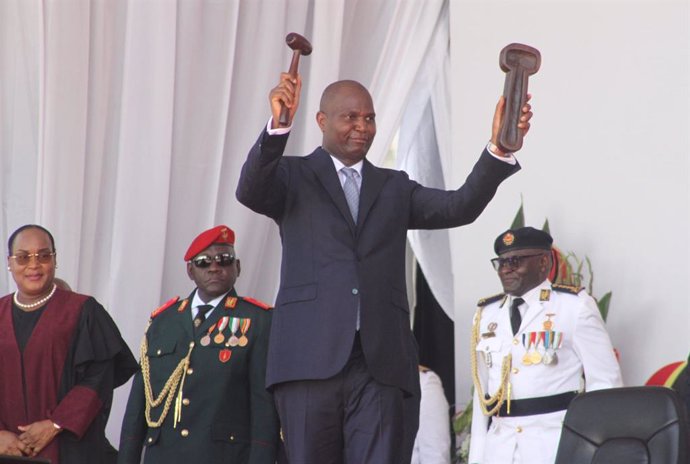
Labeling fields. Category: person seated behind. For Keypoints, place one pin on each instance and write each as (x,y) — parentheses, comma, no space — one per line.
(532,345)
(200,395)
(432,444)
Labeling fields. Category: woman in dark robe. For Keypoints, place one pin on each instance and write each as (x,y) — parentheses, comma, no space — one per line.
(61,357)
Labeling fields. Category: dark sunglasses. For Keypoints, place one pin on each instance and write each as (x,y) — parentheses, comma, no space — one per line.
(223,259)
(511,263)
(43,257)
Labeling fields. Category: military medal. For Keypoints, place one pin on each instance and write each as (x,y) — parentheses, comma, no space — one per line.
(526,359)
(556,339)
(246,323)
(234,325)
(220,338)
(550,356)
(224,355)
(535,356)
(206,339)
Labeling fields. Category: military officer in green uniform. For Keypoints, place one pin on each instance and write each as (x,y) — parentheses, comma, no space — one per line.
(200,396)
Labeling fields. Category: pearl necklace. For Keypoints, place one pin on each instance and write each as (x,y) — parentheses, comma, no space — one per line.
(38,303)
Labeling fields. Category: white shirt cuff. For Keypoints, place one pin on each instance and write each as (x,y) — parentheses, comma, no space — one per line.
(508,158)
(279,130)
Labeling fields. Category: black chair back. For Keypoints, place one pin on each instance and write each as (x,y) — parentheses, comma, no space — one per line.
(629,425)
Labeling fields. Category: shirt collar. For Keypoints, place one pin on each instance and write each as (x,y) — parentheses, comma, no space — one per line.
(197,301)
(339,165)
(532,296)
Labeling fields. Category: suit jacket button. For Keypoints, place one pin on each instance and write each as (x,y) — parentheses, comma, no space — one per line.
(185,401)
(355,291)
(515,341)
(515,371)
(190,371)
(519,430)
(232,437)
(158,353)
(184,432)
(150,440)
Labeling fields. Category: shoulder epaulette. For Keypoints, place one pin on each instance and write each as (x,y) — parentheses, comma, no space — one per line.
(490,299)
(164,306)
(572,289)
(258,303)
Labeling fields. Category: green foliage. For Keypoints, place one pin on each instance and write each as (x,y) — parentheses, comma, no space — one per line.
(546,227)
(519,220)
(603,304)
(462,422)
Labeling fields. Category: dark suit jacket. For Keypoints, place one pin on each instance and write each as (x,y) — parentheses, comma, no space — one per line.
(331,266)
(227,414)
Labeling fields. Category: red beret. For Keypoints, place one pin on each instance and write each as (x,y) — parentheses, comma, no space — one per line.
(219,234)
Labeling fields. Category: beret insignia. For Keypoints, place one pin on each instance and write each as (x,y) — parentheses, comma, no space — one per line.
(508,239)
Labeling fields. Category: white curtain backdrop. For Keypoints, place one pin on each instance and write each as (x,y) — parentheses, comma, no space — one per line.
(123,126)
(424,151)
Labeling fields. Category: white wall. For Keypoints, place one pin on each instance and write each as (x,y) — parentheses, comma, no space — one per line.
(606,160)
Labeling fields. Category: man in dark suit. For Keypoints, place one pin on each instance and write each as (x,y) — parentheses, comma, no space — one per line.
(341,355)
(200,394)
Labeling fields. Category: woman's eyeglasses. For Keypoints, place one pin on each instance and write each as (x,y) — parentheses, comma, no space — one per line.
(511,263)
(223,259)
(43,257)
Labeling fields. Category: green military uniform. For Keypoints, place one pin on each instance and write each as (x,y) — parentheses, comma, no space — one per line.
(216,409)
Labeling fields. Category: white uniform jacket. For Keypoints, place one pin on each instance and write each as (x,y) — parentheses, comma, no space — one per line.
(579,338)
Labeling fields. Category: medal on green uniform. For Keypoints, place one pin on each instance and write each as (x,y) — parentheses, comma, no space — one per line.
(222,324)
(246,323)
(234,325)
(206,339)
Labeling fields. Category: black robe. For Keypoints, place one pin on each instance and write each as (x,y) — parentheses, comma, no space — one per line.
(73,359)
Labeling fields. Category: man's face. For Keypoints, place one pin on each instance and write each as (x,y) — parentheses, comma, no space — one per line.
(348,124)
(526,270)
(216,279)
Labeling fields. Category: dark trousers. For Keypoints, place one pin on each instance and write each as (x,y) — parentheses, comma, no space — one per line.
(347,419)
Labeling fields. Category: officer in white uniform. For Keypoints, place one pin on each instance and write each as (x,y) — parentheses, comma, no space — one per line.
(534,348)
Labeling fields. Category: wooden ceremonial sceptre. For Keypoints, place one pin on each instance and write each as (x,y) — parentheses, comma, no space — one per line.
(519,62)
(300,46)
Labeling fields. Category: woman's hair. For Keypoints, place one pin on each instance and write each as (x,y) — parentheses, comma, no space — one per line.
(10,242)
